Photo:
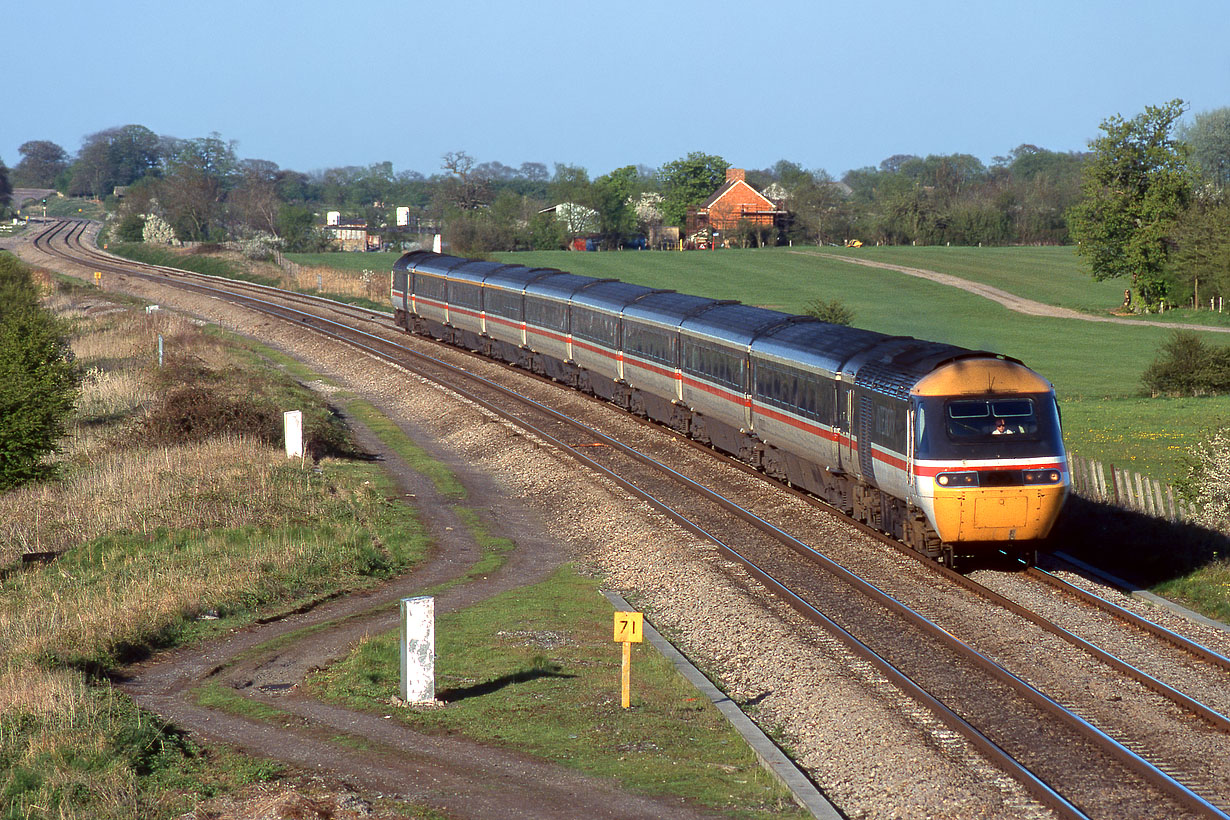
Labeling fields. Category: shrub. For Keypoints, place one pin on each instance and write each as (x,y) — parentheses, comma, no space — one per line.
(1187,365)
(131,229)
(832,311)
(38,379)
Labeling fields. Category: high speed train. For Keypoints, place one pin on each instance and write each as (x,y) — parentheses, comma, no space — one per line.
(955,452)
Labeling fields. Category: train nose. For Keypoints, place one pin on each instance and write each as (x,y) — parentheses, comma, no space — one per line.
(997,513)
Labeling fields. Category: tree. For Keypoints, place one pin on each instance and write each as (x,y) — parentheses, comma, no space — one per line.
(614,200)
(831,311)
(1208,137)
(199,172)
(465,188)
(1200,261)
(42,163)
(254,202)
(1134,189)
(688,182)
(6,190)
(114,157)
(38,381)
(296,227)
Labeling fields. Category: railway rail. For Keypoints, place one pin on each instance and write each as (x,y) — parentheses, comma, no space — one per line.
(1062,759)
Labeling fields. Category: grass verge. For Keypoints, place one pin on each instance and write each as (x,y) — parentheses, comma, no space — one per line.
(535,669)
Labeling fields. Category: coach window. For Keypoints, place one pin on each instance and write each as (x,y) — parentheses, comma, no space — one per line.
(546,314)
(432,286)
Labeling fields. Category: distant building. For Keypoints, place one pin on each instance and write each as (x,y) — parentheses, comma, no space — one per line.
(734,202)
(350,234)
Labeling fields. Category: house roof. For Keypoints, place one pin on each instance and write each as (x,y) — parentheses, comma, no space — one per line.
(728,187)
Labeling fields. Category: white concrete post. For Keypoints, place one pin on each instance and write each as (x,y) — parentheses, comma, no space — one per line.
(418,649)
(293,427)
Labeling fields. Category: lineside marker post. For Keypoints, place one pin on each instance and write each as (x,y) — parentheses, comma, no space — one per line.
(292,424)
(418,649)
(629,629)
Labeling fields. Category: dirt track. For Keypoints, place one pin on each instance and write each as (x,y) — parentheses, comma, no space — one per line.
(1018,304)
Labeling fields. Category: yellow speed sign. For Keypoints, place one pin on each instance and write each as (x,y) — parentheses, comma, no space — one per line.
(629,627)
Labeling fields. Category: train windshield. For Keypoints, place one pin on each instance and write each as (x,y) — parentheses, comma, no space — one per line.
(977,420)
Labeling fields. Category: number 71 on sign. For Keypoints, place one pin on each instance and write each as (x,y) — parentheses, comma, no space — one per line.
(629,627)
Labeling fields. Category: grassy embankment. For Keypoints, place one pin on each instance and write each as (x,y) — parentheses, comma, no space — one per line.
(172,531)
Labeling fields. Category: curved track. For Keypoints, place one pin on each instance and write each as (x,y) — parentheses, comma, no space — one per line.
(1063,760)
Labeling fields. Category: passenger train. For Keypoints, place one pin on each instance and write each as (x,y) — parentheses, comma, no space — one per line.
(955,452)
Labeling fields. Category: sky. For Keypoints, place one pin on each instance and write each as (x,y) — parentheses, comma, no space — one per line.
(831,86)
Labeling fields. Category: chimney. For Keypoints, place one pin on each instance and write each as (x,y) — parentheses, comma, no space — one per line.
(736,174)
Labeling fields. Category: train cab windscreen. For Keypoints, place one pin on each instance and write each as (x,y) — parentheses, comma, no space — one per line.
(1020,426)
(971,420)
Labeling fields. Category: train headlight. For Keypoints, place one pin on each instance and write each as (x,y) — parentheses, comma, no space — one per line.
(957,479)
(1042,476)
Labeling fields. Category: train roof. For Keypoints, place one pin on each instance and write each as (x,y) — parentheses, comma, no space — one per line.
(610,294)
(560,286)
(435,263)
(736,323)
(407,260)
(476,272)
(516,277)
(668,307)
(817,344)
(898,365)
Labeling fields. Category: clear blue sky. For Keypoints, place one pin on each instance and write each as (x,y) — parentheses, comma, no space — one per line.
(832,86)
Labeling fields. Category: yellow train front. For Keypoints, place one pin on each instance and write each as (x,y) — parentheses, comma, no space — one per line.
(988,460)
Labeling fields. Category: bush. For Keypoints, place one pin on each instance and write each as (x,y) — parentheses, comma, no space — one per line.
(38,380)
(1188,366)
(832,311)
(131,229)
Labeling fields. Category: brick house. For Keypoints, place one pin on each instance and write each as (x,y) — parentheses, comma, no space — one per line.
(734,202)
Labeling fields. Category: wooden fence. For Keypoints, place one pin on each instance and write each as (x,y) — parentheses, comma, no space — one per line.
(1126,489)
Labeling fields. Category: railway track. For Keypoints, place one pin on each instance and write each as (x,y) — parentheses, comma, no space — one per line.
(1063,759)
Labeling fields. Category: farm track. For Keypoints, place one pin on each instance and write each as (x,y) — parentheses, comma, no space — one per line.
(1066,760)
(1018,304)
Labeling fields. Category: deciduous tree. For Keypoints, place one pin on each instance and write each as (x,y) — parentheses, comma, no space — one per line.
(42,163)
(688,182)
(1134,189)
(1208,136)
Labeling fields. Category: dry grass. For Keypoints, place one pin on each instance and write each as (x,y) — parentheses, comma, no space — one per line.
(215,483)
(372,285)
